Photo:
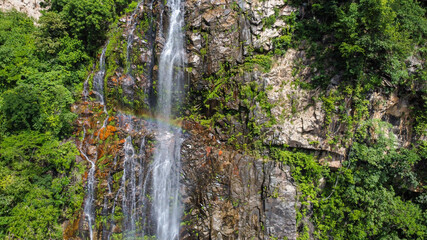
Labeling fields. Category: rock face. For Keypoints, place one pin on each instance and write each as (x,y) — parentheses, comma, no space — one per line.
(253,98)
(223,36)
(226,193)
(30,7)
(229,195)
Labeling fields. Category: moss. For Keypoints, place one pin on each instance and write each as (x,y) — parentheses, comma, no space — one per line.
(264,62)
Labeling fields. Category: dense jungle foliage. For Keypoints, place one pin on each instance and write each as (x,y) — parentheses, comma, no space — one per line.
(42,69)
(374,45)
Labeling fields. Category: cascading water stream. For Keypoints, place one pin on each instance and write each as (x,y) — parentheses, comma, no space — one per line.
(85,89)
(98,78)
(130,187)
(98,89)
(88,204)
(148,194)
(129,178)
(129,193)
(98,84)
(166,166)
(131,21)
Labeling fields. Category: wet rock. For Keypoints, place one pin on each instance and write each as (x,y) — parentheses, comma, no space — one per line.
(91,151)
(227,191)
(128,84)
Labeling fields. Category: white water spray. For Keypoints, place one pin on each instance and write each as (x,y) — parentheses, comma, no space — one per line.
(166,167)
(98,79)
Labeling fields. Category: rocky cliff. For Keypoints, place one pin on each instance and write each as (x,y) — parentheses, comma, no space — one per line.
(276,139)
(30,7)
(227,194)
(244,94)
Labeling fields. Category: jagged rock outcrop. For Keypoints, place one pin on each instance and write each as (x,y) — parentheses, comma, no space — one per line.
(229,195)
(225,35)
(31,7)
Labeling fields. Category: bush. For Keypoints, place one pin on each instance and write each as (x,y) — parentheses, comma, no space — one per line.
(34,185)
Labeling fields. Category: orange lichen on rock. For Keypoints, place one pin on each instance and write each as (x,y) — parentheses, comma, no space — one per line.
(208,151)
(71,228)
(104,133)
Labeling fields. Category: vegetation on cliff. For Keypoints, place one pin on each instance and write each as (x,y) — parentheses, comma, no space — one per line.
(372,45)
(374,195)
(42,71)
(379,192)
(369,46)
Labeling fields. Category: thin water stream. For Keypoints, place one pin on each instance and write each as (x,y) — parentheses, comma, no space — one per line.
(88,209)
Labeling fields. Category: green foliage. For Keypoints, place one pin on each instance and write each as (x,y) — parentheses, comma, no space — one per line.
(367,43)
(20,108)
(369,39)
(35,185)
(284,41)
(36,94)
(420,108)
(368,198)
(16,47)
(88,20)
(41,71)
(306,171)
(262,61)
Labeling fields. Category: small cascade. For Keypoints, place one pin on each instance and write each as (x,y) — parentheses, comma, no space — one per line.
(98,79)
(166,166)
(130,182)
(98,89)
(85,89)
(129,191)
(98,84)
(133,23)
(88,210)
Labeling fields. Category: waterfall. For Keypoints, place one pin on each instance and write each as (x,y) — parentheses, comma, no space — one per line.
(88,210)
(166,166)
(98,84)
(98,78)
(148,194)
(129,193)
(129,182)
